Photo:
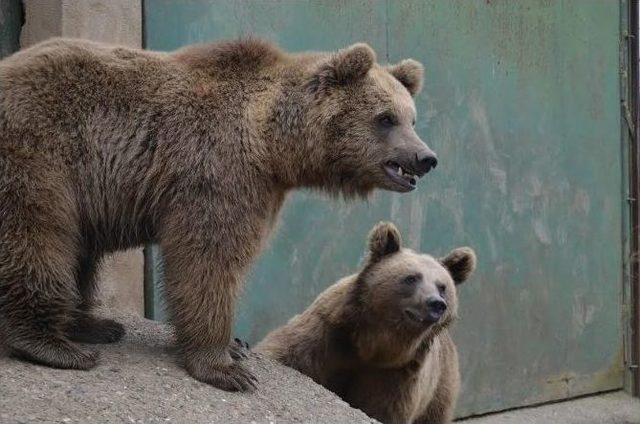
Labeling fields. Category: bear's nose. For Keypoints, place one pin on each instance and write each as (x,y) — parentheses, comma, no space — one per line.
(426,160)
(436,307)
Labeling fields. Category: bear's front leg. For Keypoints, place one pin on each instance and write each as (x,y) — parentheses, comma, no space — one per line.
(202,284)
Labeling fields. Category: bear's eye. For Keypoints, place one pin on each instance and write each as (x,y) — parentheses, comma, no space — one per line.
(442,289)
(413,123)
(387,120)
(410,280)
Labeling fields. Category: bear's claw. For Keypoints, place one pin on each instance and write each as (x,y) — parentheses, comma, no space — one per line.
(233,377)
(239,349)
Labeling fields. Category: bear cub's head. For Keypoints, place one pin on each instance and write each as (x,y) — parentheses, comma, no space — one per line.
(409,291)
(367,117)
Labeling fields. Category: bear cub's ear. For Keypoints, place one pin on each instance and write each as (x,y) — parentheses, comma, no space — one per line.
(346,65)
(410,74)
(384,239)
(460,263)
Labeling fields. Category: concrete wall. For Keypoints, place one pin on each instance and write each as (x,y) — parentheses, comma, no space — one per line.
(112,21)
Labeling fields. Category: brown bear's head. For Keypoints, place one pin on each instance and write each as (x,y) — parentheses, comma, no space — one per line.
(408,291)
(364,116)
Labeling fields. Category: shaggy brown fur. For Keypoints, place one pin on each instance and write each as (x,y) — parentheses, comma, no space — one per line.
(105,148)
(378,339)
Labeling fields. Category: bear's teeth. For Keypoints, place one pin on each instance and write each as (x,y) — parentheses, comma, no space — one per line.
(400,172)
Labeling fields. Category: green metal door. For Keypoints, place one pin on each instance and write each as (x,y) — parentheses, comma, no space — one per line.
(521,103)
(10,25)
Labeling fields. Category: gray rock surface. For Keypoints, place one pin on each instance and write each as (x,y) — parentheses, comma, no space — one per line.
(140,380)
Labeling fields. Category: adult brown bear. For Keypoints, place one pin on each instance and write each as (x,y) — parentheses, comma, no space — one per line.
(105,148)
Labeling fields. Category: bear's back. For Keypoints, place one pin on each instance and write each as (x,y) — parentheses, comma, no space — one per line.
(56,83)
(57,56)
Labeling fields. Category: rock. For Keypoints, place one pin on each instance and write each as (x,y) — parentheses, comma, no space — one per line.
(140,380)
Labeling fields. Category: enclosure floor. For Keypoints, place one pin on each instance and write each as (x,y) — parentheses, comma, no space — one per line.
(610,408)
(140,380)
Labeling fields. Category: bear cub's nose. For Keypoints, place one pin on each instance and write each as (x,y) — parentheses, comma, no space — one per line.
(426,160)
(436,307)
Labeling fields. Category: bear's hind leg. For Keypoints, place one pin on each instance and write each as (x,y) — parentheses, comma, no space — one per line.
(84,326)
(53,351)
(38,251)
(36,301)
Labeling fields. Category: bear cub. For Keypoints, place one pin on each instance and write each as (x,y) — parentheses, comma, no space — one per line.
(379,338)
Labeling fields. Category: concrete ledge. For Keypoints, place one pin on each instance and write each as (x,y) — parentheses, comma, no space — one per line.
(139,380)
(610,408)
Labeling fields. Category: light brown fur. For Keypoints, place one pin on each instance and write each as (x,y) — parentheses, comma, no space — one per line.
(357,340)
(105,148)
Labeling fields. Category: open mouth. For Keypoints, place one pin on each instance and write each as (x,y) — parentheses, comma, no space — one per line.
(426,320)
(400,176)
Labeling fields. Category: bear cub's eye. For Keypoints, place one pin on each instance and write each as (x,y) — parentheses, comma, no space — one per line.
(410,280)
(442,289)
(387,120)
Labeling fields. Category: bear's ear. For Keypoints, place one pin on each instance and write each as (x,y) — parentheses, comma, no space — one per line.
(410,74)
(460,263)
(346,65)
(384,239)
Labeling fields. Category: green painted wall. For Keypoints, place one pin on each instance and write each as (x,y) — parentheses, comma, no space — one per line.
(10,25)
(521,103)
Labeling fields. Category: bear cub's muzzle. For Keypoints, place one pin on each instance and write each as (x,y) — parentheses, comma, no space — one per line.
(429,313)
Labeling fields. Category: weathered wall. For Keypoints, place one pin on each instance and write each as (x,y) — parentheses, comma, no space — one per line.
(113,21)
